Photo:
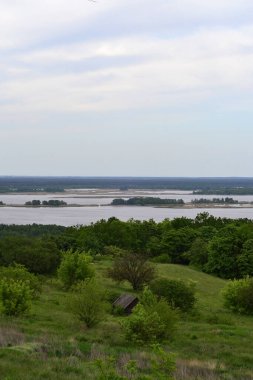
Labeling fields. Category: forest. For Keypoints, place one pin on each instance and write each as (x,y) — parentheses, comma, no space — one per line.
(191,278)
(212,185)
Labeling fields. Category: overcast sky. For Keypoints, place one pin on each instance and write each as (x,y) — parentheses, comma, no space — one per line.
(126,87)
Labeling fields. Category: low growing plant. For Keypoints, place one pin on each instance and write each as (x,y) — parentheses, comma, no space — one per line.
(161,367)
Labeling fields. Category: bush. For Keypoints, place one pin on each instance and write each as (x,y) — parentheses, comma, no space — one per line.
(88,302)
(15,297)
(152,320)
(75,267)
(20,273)
(238,295)
(176,292)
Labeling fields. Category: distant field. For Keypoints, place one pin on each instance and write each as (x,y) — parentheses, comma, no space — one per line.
(51,343)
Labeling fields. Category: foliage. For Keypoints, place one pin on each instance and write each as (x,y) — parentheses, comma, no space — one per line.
(114,251)
(88,302)
(152,320)
(18,272)
(74,267)
(238,295)
(15,297)
(177,293)
(161,367)
(133,268)
(38,255)
(224,251)
(177,242)
(198,253)
(146,201)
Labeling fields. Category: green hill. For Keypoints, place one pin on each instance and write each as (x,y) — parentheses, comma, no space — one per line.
(50,343)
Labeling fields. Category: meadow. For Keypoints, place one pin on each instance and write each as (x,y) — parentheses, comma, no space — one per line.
(51,343)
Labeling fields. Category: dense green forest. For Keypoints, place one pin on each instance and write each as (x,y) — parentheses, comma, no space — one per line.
(192,279)
(146,201)
(226,200)
(220,246)
(222,186)
(153,201)
(50,203)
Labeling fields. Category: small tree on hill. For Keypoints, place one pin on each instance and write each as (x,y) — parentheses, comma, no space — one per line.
(75,267)
(134,269)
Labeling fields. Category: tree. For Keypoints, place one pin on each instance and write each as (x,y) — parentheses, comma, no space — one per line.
(134,269)
(198,253)
(152,320)
(88,302)
(75,267)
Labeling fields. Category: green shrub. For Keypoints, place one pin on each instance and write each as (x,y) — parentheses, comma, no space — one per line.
(238,295)
(152,320)
(176,292)
(15,297)
(19,272)
(75,267)
(88,302)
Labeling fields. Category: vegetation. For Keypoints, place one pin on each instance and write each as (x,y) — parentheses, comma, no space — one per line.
(222,186)
(152,320)
(15,297)
(134,269)
(238,295)
(88,303)
(39,256)
(50,203)
(74,267)
(146,201)
(226,200)
(178,294)
(20,273)
(70,331)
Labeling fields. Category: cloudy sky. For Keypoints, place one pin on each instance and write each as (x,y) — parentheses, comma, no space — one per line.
(126,87)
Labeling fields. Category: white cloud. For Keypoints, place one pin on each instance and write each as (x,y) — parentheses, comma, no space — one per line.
(185,69)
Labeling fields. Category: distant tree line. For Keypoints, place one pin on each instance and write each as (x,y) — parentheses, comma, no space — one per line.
(146,201)
(223,186)
(219,246)
(226,200)
(225,191)
(50,203)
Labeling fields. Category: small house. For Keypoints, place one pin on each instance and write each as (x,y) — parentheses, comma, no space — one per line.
(127,302)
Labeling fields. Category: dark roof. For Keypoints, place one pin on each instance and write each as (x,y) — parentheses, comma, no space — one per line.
(125,300)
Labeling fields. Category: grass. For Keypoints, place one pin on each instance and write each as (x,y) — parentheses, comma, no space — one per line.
(50,342)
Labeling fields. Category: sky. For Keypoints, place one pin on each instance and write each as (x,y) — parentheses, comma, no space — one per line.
(126,88)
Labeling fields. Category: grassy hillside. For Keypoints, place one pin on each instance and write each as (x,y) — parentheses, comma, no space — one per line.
(50,343)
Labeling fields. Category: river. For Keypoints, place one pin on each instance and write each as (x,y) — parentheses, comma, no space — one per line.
(68,216)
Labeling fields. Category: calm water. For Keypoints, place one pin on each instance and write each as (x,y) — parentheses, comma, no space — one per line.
(86,215)
(94,197)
